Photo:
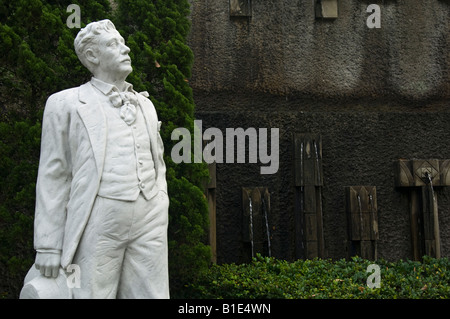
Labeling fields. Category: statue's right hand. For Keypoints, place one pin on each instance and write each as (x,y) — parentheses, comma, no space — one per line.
(48,263)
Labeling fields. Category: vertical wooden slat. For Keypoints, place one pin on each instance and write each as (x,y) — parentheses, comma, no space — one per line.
(437,236)
(414,213)
(211,196)
(299,240)
(320,235)
(362,215)
(311,227)
(257,221)
(309,199)
(431,222)
(308,179)
(373,209)
(367,249)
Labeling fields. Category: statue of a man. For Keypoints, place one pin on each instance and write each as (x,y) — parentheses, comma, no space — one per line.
(101,193)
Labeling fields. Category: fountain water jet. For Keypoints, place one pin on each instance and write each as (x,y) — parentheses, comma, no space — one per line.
(251,226)
(434,209)
(256,229)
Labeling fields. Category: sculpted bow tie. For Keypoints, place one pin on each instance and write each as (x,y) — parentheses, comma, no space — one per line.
(127,101)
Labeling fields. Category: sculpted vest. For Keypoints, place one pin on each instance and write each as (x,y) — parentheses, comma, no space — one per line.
(128,167)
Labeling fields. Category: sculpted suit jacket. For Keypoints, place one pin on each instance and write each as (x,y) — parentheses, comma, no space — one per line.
(73,147)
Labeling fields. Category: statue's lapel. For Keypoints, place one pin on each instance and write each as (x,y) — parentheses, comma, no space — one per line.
(94,119)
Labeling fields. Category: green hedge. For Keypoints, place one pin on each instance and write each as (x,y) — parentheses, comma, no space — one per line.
(344,279)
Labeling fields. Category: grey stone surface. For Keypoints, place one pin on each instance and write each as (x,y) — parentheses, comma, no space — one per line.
(283,49)
(375,95)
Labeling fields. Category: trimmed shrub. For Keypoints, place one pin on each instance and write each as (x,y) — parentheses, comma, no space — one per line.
(322,279)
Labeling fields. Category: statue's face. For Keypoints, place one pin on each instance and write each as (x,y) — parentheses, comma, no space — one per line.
(113,54)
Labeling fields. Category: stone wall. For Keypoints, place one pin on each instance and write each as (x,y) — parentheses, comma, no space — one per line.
(374,95)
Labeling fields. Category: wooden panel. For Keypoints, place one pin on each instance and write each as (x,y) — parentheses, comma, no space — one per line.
(257,221)
(422,168)
(430,247)
(308,178)
(299,223)
(320,236)
(240,8)
(367,249)
(309,199)
(311,249)
(444,167)
(426,174)
(403,175)
(311,226)
(415,231)
(361,202)
(431,221)
(355,226)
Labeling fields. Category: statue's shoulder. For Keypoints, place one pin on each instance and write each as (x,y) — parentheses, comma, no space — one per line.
(65,94)
(146,97)
(65,97)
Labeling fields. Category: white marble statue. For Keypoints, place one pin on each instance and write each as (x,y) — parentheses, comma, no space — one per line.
(101,193)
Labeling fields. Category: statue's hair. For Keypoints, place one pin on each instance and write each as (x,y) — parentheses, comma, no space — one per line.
(88,37)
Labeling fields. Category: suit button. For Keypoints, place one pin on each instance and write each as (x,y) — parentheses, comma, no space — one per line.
(142,185)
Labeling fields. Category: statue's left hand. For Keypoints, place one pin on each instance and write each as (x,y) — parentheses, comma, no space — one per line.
(48,263)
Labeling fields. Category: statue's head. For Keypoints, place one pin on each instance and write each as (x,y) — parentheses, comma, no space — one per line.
(102,49)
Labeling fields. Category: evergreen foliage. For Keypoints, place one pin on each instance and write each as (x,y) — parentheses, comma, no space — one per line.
(38,59)
(270,278)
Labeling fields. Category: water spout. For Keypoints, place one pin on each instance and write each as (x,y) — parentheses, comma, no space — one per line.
(317,161)
(360,217)
(251,224)
(374,226)
(301,163)
(372,214)
(430,183)
(269,249)
(302,192)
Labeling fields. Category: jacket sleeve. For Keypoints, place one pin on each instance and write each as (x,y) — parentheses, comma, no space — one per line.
(54,176)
